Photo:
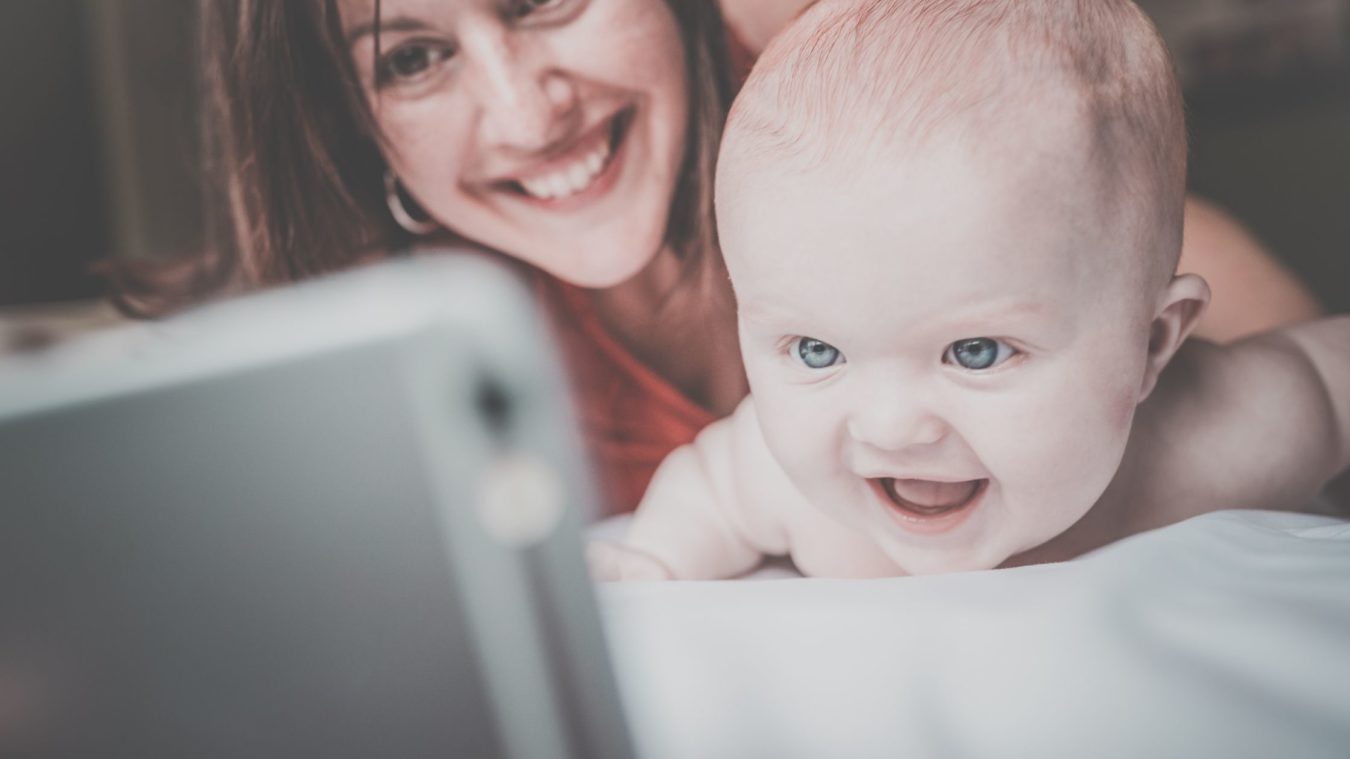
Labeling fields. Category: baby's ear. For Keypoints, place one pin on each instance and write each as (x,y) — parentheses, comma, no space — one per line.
(1179,311)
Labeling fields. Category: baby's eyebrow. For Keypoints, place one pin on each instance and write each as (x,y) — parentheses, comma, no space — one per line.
(1001,310)
(763,314)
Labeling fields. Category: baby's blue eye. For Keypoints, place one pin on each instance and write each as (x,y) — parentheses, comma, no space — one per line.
(817,354)
(978,353)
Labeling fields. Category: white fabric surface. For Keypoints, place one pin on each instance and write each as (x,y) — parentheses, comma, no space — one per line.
(1227,635)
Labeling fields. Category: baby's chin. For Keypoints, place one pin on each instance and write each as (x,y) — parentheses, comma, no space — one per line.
(933,560)
(920,556)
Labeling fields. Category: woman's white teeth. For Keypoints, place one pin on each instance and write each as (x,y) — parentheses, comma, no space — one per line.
(571,179)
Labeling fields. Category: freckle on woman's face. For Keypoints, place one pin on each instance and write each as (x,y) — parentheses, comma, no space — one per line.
(553,132)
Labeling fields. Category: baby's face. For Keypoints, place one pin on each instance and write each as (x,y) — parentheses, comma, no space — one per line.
(940,353)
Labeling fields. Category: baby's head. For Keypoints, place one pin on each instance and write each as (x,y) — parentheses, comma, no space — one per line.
(952,227)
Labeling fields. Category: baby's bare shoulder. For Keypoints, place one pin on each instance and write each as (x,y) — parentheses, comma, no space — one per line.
(1238,426)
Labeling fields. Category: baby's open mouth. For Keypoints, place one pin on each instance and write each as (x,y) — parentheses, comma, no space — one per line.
(927,499)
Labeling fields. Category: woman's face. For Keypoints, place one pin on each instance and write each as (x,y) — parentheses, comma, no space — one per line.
(550,130)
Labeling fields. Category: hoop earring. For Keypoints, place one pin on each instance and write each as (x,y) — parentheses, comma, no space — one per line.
(393,196)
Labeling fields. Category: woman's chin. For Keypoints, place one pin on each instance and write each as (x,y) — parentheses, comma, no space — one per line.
(601,267)
(598,277)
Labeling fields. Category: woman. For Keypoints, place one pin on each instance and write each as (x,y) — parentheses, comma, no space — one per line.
(575,136)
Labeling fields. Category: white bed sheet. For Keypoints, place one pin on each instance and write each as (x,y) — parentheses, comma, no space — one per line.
(1227,635)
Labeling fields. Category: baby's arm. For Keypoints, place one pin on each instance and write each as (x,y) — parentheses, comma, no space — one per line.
(1261,423)
(707,513)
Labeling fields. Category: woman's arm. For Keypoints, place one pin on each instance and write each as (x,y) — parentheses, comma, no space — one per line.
(757,21)
(1251,291)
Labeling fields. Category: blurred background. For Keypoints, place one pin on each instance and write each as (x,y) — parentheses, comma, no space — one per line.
(98,144)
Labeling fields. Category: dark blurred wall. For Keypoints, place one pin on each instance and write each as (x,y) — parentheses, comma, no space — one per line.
(98,144)
(53,221)
(1282,166)
(148,64)
(1268,103)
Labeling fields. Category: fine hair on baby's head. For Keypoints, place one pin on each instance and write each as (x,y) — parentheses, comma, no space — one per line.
(1086,85)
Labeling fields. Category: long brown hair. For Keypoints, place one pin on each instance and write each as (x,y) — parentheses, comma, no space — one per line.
(293,165)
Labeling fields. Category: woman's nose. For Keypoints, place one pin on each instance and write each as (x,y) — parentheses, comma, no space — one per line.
(893,419)
(525,102)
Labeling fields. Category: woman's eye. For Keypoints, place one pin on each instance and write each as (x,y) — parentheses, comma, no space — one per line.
(524,8)
(816,354)
(409,62)
(978,353)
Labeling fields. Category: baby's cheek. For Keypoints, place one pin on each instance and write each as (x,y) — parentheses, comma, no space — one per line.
(804,439)
(1100,432)
(1115,381)
(1062,431)
(1110,399)
(1121,405)
(787,431)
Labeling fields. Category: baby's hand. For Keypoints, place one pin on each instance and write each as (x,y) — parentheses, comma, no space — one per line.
(616,562)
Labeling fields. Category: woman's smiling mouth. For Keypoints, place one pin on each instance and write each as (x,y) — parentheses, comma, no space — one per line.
(585,171)
(570,179)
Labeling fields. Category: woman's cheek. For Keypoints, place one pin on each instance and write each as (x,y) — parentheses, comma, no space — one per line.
(422,136)
(642,45)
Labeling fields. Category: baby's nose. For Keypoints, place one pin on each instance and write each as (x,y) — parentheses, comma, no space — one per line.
(895,420)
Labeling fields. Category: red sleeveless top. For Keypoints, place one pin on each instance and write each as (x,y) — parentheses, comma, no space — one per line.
(630,416)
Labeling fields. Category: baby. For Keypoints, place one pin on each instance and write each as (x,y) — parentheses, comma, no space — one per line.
(952,227)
